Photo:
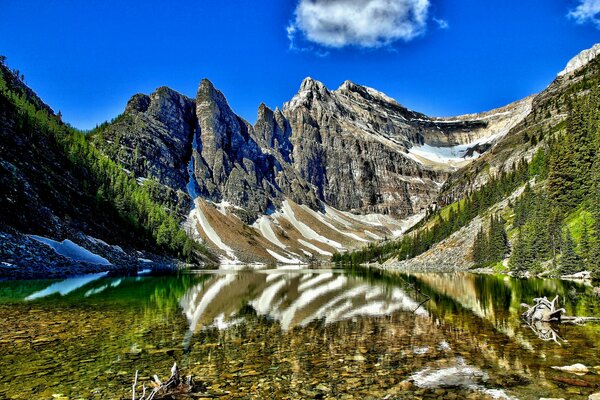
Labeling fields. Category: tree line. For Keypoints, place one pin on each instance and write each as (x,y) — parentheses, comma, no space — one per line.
(438,226)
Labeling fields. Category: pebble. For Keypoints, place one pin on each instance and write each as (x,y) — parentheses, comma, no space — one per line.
(578,369)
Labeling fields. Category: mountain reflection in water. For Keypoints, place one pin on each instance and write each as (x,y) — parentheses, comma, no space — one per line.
(304,333)
(291,298)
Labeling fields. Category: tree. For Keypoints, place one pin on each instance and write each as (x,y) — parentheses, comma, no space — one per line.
(521,259)
(570,262)
(585,245)
(562,173)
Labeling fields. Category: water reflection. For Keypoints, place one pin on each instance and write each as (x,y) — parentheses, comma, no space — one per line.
(66,286)
(291,298)
(295,333)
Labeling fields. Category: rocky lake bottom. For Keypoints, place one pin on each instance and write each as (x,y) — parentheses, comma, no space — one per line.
(296,334)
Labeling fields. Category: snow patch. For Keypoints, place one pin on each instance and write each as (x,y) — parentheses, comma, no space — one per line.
(212,234)
(581,60)
(315,248)
(283,259)
(71,250)
(264,226)
(372,235)
(304,230)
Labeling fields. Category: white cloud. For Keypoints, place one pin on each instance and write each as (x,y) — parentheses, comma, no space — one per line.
(587,11)
(364,23)
(442,23)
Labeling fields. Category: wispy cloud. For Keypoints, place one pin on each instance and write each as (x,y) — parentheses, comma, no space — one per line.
(442,23)
(587,11)
(362,23)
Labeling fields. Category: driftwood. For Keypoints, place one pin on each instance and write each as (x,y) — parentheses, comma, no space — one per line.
(543,310)
(544,313)
(160,390)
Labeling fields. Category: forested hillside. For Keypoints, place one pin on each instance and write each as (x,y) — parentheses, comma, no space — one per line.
(555,223)
(55,183)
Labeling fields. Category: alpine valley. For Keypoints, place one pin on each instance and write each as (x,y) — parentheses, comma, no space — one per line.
(348,174)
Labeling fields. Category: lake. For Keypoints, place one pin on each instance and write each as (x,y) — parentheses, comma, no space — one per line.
(295,334)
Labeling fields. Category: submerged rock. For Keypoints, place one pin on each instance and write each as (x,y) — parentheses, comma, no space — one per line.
(578,369)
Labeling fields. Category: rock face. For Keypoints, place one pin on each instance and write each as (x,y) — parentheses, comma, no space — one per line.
(152,137)
(580,60)
(356,146)
(353,149)
(42,192)
(237,163)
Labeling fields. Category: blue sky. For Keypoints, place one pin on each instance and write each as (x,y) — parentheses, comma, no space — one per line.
(87,58)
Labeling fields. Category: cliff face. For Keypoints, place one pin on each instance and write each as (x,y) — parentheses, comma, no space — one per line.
(352,149)
(366,153)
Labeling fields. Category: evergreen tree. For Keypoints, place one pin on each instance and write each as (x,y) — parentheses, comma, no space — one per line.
(585,246)
(595,210)
(521,259)
(570,262)
(562,173)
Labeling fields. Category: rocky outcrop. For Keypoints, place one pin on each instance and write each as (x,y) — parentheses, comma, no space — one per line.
(356,146)
(541,114)
(152,137)
(581,60)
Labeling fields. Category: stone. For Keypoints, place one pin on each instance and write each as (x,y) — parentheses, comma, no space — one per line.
(578,369)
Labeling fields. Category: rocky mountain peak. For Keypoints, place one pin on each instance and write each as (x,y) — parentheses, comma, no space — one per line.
(350,88)
(264,111)
(138,103)
(310,84)
(208,92)
(581,60)
(310,90)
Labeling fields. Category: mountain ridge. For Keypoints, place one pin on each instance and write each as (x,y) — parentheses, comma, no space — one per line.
(354,149)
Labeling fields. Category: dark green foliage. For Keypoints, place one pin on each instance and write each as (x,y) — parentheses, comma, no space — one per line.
(539,164)
(566,168)
(522,259)
(570,262)
(491,247)
(572,185)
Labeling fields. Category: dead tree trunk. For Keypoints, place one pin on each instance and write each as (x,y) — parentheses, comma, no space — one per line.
(543,310)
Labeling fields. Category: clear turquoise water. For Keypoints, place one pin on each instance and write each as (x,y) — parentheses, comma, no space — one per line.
(294,334)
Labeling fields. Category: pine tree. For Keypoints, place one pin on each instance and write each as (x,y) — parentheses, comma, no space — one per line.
(555,229)
(595,209)
(570,262)
(498,240)
(585,246)
(562,173)
(521,259)
(479,248)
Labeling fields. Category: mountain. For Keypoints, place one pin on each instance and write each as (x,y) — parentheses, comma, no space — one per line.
(330,171)
(532,200)
(65,208)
